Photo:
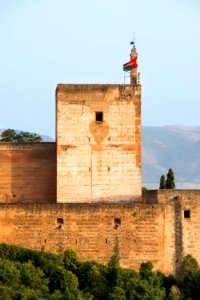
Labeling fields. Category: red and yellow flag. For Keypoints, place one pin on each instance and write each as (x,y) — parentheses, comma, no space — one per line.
(133,63)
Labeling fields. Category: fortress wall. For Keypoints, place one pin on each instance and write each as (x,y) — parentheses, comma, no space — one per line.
(98,161)
(162,233)
(182,226)
(27,172)
(93,230)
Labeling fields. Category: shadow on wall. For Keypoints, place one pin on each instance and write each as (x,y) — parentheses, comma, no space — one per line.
(178,233)
(28,173)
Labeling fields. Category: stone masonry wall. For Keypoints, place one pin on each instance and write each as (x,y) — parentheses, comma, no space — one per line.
(98,161)
(162,231)
(181,225)
(95,231)
(27,172)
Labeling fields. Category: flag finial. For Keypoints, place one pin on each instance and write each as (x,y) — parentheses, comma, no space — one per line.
(133,41)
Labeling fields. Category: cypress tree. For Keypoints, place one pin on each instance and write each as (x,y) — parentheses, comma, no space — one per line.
(170,182)
(162,182)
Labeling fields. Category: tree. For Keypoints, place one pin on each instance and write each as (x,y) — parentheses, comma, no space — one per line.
(170,182)
(189,279)
(10,135)
(162,182)
(189,265)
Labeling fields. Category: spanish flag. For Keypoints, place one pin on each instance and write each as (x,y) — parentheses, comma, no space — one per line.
(133,63)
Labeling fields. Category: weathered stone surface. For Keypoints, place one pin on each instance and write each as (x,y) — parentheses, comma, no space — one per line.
(181,224)
(98,161)
(27,172)
(157,231)
(89,229)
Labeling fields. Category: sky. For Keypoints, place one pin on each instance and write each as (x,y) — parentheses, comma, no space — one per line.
(46,42)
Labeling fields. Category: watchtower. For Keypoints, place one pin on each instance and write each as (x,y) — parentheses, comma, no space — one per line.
(99,141)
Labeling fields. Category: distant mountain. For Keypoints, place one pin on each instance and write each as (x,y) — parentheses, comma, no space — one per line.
(46,138)
(176,147)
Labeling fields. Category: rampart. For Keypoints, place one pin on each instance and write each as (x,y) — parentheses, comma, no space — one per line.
(28,172)
(162,232)
(181,224)
(96,231)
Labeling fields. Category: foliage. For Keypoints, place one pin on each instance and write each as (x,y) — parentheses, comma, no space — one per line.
(189,265)
(189,280)
(144,191)
(170,182)
(162,182)
(10,135)
(36,275)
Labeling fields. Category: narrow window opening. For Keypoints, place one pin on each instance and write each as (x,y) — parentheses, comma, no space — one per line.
(60,221)
(99,116)
(187,214)
(117,222)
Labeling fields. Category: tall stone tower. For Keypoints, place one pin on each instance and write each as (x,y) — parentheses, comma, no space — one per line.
(99,141)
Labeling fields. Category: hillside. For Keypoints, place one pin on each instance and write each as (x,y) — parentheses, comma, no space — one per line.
(175,147)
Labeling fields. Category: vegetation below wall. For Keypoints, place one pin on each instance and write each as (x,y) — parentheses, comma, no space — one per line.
(28,274)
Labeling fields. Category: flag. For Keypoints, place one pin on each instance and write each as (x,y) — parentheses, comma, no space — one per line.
(133,63)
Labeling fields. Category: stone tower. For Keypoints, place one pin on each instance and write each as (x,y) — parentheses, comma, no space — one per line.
(99,141)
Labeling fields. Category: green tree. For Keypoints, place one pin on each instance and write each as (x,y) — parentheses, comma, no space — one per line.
(117,293)
(189,265)
(162,182)
(170,182)
(10,135)
(92,279)
(190,285)
(71,260)
(21,281)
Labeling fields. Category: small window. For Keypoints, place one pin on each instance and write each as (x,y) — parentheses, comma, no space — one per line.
(60,221)
(99,116)
(187,214)
(117,222)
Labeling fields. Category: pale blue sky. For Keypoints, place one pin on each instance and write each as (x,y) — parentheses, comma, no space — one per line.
(45,42)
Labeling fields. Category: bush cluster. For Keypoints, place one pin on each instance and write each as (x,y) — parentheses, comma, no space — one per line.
(36,275)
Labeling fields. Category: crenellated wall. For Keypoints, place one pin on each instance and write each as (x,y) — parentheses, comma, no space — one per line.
(27,172)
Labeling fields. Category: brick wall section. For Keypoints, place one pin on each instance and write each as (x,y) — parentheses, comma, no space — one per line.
(160,232)
(27,172)
(181,234)
(89,229)
(98,161)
